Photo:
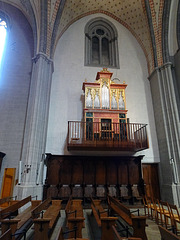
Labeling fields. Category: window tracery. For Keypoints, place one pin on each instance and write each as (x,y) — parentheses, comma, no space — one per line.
(101,47)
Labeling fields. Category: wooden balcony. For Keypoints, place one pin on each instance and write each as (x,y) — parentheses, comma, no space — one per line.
(112,137)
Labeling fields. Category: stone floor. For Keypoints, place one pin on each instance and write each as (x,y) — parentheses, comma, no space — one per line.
(152,230)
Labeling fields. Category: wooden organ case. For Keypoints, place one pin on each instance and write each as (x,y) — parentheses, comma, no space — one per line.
(105,108)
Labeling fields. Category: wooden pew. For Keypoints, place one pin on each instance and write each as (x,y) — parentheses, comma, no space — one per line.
(6,235)
(74,208)
(60,236)
(38,209)
(167,235)
(98,211)
(75,217)
(103,220)
(138,223)
(22,221)
(44,225)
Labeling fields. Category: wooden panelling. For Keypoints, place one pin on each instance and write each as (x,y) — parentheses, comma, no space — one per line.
(89,172)
(123,173)
(92,170)
(100,172)
(133,172)
(111,172)
(77,171)
(66,172)
(53,171)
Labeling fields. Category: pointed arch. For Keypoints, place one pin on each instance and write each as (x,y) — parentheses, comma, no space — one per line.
(101,46)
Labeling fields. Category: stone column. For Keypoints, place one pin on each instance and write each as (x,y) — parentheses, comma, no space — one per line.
(168,131)
(35,129)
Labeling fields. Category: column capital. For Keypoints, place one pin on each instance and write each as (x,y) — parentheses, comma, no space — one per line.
(44,56)
(160,68)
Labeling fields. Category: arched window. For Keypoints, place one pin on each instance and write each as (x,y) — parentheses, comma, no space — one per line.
(101,47)
(3,27)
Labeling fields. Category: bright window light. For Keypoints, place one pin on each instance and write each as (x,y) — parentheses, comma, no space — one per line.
(3,27)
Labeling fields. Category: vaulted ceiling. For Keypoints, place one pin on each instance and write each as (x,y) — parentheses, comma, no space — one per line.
(135,15)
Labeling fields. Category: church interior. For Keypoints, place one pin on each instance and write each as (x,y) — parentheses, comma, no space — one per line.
(90,118)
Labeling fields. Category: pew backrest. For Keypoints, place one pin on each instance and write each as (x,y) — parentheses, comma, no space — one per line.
(121,209)
(42,206)
(137,222)
(167,235)
(6,211)
(74,208)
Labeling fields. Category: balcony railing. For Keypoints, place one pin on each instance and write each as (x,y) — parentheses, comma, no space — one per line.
(106,136)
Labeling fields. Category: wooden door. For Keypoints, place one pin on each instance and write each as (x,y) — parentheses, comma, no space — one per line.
(151,180)
(8,183)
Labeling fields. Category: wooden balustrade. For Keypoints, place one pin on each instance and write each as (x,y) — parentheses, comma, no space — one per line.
(94,136)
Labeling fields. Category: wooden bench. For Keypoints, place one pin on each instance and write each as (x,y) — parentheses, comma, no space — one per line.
(138,223)
(60,236)
(103,219)
(22,221)
(74,216)
(98,211)
(50,212)
(167,235)
(74,208)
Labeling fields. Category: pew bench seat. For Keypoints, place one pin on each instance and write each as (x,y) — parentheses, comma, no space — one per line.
(138,223)
(98,211)
(21,222)
(75,216)
(53,212)
(45,224)
(104,221)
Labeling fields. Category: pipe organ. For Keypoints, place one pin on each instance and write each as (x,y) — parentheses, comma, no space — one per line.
(104,107)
